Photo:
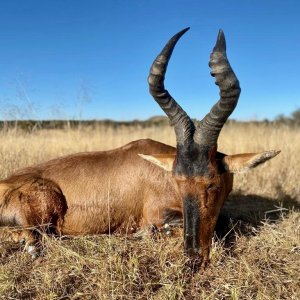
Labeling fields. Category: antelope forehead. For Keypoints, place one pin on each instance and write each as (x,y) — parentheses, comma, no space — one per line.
(192,163)
(192,169)
(199,181)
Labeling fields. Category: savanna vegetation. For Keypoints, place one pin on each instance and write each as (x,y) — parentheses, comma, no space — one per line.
(256,248)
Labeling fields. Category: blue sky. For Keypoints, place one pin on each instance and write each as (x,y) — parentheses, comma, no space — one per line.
(90,59)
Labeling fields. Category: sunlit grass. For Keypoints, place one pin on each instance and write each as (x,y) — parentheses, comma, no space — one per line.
(255,253)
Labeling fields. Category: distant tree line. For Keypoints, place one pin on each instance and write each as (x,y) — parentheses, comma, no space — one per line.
(32,125)
(293,119)
(157,121)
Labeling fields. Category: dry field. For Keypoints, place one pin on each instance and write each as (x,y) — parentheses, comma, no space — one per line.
(256,249)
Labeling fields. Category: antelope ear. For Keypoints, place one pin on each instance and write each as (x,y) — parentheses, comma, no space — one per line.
(240,163)
(164,161)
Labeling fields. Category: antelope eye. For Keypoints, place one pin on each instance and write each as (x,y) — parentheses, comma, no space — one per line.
(210,186)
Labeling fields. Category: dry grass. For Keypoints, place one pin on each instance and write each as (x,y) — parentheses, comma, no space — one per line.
(256,250)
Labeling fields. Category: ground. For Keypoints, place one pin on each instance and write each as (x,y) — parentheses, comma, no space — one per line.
(256,248)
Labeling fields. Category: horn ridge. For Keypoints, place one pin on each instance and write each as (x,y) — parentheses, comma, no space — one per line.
(210,126)
(184,126)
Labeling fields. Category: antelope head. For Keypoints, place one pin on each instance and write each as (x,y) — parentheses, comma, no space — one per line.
(202,174)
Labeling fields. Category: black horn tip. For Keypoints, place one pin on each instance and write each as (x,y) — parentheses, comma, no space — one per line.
(184,30)
(166,53)
(179,34)
(221,42)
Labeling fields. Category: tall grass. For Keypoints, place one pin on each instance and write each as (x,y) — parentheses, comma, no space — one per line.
(256,249)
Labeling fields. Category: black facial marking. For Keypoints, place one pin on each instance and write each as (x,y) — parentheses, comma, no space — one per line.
(192,160)
(191,217)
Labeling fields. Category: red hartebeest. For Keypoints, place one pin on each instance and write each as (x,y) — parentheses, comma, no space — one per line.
(143,183)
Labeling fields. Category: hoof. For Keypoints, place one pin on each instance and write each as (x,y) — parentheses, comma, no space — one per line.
(167,229)
(33,251)
(145,232)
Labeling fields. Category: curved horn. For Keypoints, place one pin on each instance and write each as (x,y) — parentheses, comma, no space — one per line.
(184,126)
(208,130)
